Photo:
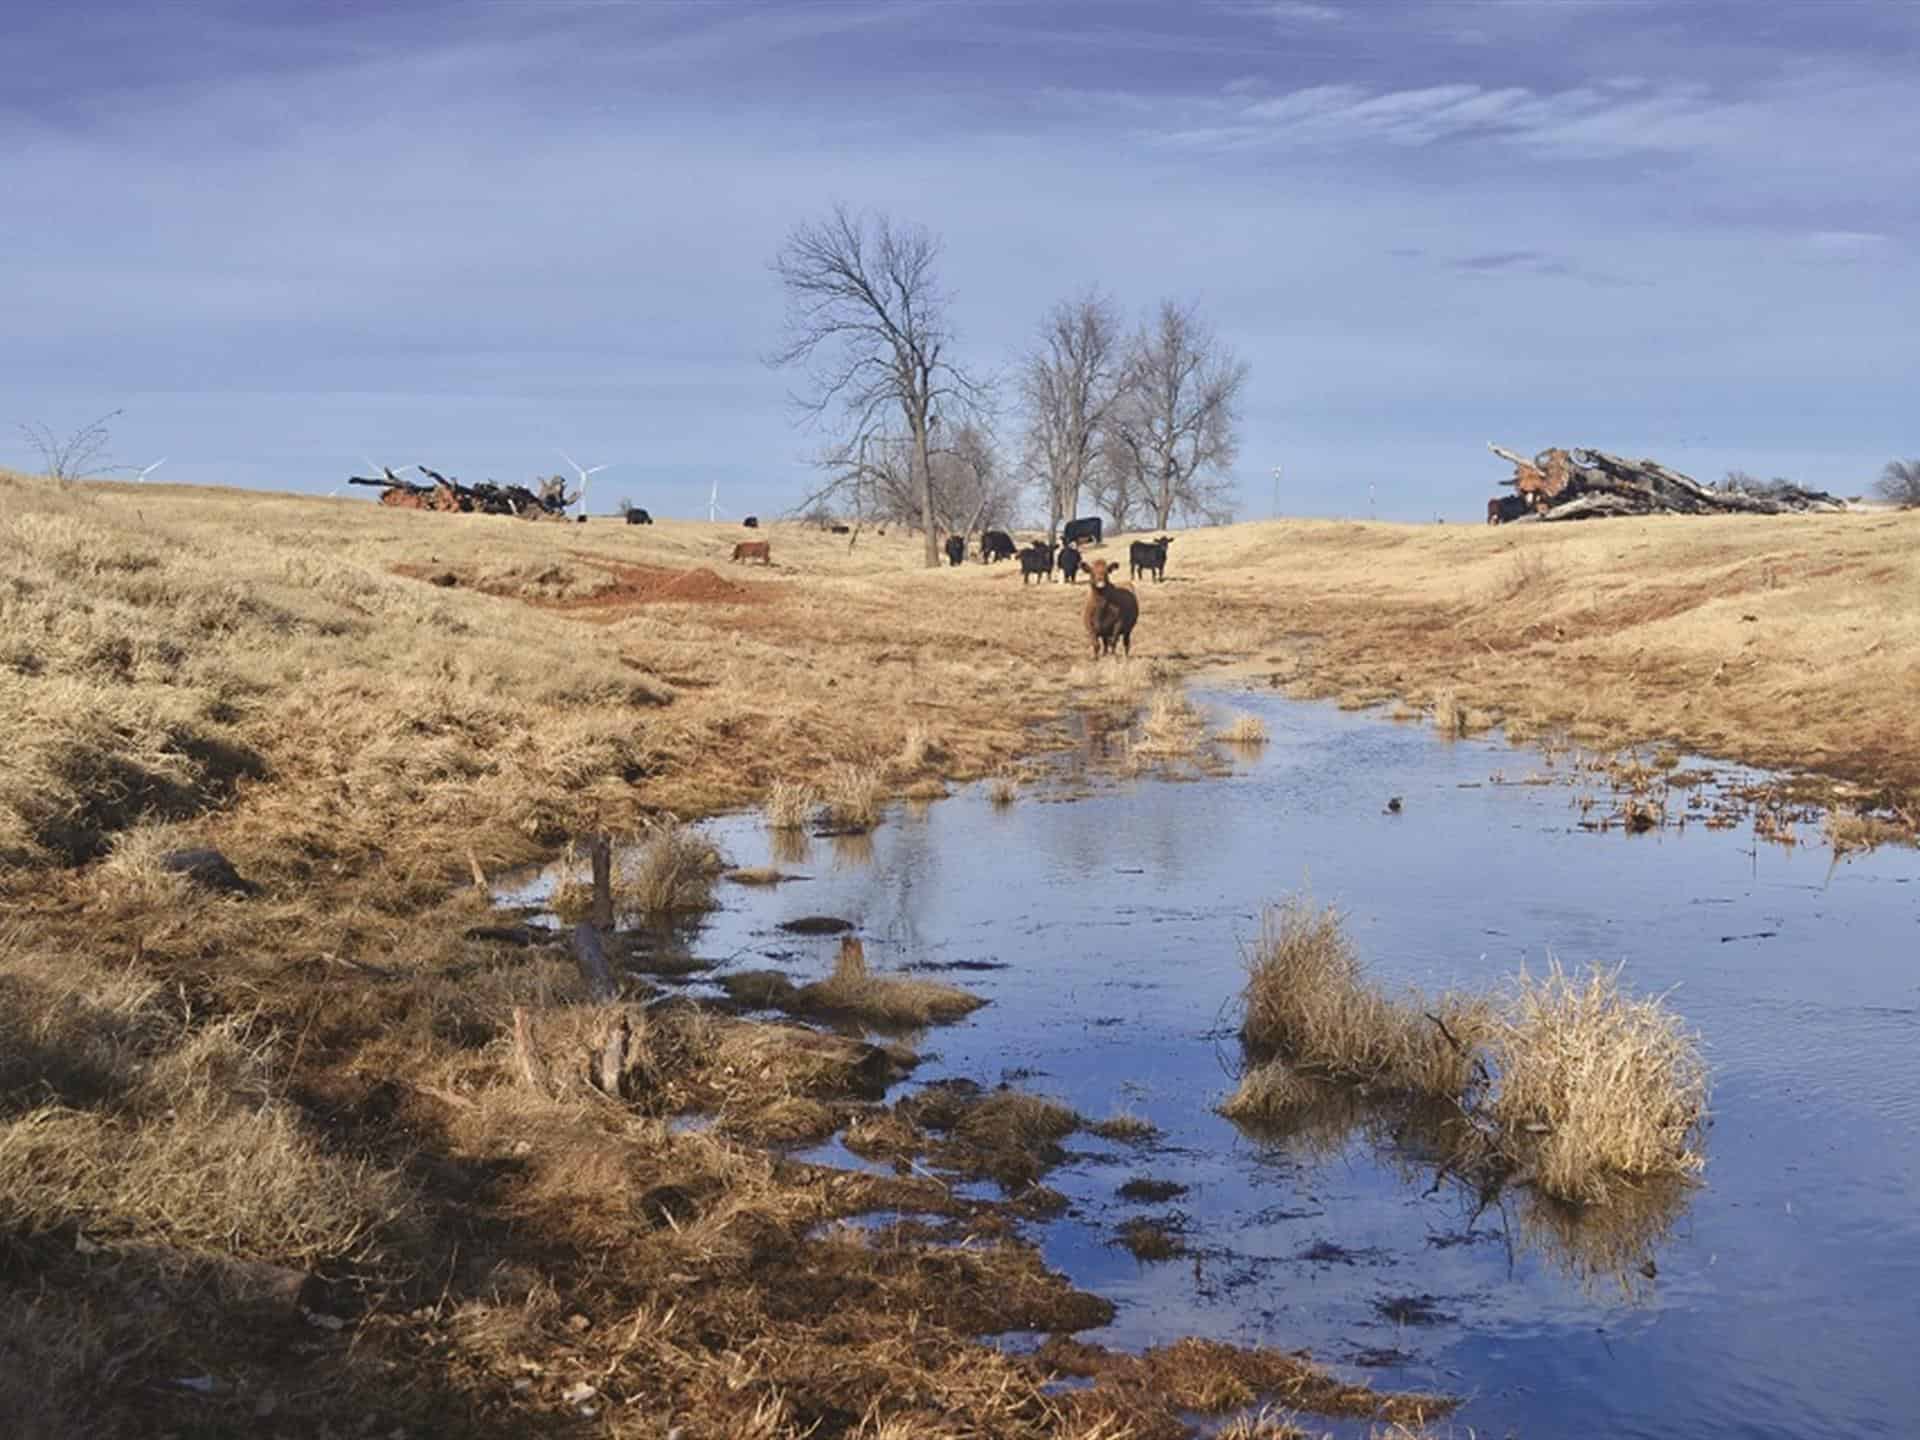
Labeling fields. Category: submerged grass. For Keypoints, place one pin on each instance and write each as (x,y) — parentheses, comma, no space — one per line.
(790,805)
(1244,728)
(671,872)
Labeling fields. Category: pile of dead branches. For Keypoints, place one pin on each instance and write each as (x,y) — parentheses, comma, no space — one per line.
(1586,484)
(446,494)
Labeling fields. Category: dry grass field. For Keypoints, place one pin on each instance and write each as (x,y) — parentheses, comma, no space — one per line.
(212,1101)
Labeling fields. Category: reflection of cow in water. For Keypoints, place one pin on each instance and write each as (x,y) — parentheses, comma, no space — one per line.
(760,550)
(956,549)
(996,545)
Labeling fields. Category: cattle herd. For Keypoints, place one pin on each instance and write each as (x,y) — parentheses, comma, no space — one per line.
(1111,610)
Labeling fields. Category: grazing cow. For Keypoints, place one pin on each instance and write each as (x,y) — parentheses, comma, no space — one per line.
(637,516)
(1503,508)
(1150,555)
(759,550)
(996,545)
(1069,561)
(1087,528)
(752,522)
(840,529)
(956,549)
(1111,610)
(1036,559)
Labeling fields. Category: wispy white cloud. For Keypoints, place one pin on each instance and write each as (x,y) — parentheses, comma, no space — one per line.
(1302,11)
(1578,120)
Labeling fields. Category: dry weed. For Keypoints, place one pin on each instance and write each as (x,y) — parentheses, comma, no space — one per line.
(1003,789)
(790,805)
(672,872)
(857,993)
(1171,727)
(853,796)
(1244,728)
(1596,1086)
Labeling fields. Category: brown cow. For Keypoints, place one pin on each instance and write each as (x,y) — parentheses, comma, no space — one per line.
(761,550)
(1111,612)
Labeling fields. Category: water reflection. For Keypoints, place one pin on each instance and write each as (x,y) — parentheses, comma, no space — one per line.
(789,847)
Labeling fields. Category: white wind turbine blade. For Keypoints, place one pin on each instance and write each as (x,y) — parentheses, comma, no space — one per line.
(151,468)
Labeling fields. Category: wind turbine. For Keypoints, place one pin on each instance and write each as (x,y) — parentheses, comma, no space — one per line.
(713,503)
(141,478)
(585,475)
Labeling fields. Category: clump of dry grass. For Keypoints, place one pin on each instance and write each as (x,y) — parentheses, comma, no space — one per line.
(853,796)
(856,992)
(1847,834)
(1573,1083)
(920,748)
(1595,1085)
(790,805)
(1124,1125)
(671,873)
(1171,727)
(1003,789)
(1306,1002)
(1244,728)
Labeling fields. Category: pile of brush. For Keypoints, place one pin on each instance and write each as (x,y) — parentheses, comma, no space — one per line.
(1587,484)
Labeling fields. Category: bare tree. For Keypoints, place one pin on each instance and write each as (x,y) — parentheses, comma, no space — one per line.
(867,318)
(1900,483)
(878,474)
(1176,420)
(1069,385)
(71,457)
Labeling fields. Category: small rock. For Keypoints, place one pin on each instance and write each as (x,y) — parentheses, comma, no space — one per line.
(579,1393)
(578,1323)
(321,1321)
(1393,805)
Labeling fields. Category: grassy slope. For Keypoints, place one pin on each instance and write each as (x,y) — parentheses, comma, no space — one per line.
(328,1076)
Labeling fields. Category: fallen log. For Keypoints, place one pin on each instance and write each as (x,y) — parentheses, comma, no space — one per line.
(1581,484)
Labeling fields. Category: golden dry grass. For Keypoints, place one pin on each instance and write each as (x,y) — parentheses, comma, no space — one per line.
(1307,1003)
(854,794)
(898,1000)
(1597,1086)
(670,872)
(1003,788)
(1244,728)
(1569,1081)
(1171,726)
(790,805)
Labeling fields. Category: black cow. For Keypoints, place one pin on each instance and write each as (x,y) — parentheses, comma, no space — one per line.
(1503,508)
(956,549)
(637,516)
(996,545)
(840,529)
(752,522)
(1150,555)
(1069,561)
(1036,559)
(1087,528)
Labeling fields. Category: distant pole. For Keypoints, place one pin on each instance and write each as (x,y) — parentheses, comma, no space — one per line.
(1370,514)
(1276,492)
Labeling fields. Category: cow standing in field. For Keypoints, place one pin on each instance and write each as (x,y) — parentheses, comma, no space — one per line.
(760,550)
(1079,531)
(1503,508)
(1112,610)
(637,516)
(1150,555)
(1069,561)
(956,549)
(996,545)
(1036,559)
(752,522)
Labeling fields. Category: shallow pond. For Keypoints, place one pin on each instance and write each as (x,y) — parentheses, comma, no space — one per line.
(1782,1299)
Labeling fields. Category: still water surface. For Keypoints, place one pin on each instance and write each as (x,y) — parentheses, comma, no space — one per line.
(1785,1294)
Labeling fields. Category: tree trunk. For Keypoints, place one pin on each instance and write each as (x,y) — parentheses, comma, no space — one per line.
(926,489)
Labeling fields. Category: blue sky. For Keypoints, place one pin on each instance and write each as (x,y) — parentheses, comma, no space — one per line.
(283,237)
